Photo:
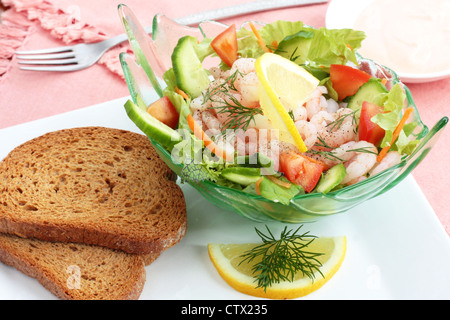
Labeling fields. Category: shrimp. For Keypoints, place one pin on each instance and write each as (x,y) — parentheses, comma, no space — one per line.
(200,104)
(255,140)
(300,113)
(336,128)
(329,105)
(248,87)
(322,119)
(260,121)
(218,73)
(221,103)
(240,143)
(308,132)
(391,159)
(270,148)
(316,103)
(210,120)
(197,115)
(246,81)
(361,163)
(332,157)
(246,141)
(332,106)
(244,65)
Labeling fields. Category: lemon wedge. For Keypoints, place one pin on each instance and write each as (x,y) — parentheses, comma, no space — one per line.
(285,85)
(226,258)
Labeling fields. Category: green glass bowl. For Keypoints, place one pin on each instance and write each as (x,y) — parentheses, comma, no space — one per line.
(143,73)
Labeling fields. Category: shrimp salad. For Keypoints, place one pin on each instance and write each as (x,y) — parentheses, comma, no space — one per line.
(354,124)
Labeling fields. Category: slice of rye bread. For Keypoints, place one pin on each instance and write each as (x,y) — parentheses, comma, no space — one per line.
(92,185)
(76,271)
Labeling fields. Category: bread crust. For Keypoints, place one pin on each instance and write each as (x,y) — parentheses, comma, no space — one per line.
(92,185)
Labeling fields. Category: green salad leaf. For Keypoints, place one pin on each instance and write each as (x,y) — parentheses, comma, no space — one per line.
(393,103)
(334,46)
(273,191)
(180,104)
(327,46)
(248,45)
(279,30)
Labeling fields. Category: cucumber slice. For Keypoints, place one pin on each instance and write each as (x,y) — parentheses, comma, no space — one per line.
(369,91)
(151,126)
(255,160)
(190,75)
(242,175)
(295,47)
(331,179)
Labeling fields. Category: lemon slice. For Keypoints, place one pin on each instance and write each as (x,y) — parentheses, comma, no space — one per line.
(227,260)
(285,85)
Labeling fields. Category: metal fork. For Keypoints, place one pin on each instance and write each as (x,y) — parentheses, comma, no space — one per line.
(80,56)
(68,58)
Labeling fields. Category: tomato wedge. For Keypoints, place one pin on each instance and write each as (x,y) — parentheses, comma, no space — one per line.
(368,130)
(347,80)
(301,170)
(163,110)
(226,46)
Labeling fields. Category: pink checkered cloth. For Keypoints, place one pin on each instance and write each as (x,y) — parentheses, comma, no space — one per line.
(34,24)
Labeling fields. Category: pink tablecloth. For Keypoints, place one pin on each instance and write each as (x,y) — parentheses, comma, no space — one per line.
(32,24)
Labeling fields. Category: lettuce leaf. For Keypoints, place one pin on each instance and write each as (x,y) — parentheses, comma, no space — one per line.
(328,46)
(180,104)
(334,46)
(248,45)
(393,103)
(279,30)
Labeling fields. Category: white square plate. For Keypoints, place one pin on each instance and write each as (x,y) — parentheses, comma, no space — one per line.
(397,248)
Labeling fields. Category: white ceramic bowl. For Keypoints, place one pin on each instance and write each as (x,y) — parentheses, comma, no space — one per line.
(343,14)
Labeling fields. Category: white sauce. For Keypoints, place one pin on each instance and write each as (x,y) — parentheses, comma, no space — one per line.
(408,36)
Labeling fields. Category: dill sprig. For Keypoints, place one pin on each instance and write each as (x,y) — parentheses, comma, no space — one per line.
(240,115)
(322,143)
(330,155)
(326,154)
(293,56)
(281,259)
(336,124)
(362,150)
(291,114)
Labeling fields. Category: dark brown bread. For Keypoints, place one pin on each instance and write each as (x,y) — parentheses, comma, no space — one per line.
(76,271)
(92,185)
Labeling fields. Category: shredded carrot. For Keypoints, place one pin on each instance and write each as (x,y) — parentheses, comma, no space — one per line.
(181,93)
(395,134)
(274,45)
(200,134)
(260,39)
(279,182)
(383,81)
(258,192)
